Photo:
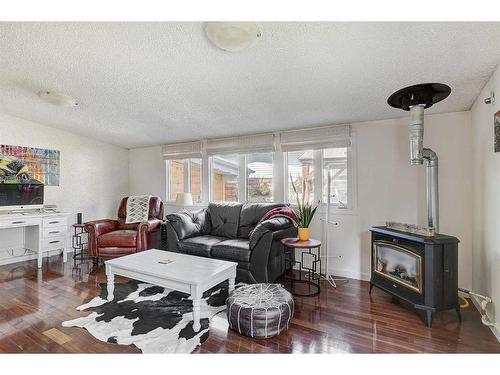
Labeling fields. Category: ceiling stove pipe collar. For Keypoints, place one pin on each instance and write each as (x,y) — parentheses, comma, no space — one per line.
(416,99)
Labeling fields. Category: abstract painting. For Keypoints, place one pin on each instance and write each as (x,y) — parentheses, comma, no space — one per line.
(23,164)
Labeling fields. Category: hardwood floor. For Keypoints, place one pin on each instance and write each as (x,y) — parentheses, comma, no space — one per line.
(346,320)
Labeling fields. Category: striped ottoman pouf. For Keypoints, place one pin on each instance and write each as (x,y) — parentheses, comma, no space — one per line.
(259,310)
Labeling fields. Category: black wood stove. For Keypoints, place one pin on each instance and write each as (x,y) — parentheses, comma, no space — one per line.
(418,270)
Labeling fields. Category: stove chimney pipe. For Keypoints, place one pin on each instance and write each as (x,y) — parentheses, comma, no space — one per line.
(431,174)
(416,134)
(415,99)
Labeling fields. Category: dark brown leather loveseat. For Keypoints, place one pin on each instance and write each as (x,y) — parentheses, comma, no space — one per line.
(229,231)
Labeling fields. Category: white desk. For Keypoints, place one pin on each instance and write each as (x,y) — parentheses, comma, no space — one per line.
(42,232)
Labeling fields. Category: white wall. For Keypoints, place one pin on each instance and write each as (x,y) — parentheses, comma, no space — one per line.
(388,187)
(147,172)
(486,203)
(93,175)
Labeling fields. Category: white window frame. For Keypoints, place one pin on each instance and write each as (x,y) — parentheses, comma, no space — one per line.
(245,188)
(351,182)
(319,180)
(287,175)
(242,175)
(210,177)
(187,179)
(280,176)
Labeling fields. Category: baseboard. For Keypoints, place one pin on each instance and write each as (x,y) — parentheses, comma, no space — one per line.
(24,258)
(350,274)
(495,329)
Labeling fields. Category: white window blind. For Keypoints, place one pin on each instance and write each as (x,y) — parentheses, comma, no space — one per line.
(186,150)
(240,145)
(316,138)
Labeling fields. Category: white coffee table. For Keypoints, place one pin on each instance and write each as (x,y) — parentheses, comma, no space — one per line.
(187,273)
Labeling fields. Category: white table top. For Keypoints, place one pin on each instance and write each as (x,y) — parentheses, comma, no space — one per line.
(184,268)
(23,215)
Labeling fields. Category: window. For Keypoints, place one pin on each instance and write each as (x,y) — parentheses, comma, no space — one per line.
(236,176)
(259,168)
(225,170)
(300,166)
(259,177)
(176,178)
(335,169)
(184,176)
(195,180)
(331,163)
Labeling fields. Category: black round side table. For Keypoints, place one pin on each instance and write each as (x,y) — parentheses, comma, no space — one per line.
(313,273)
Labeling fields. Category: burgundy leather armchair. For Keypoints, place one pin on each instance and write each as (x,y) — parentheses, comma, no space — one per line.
(114,238)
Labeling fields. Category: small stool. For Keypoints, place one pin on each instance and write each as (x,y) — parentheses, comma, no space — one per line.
(260,310)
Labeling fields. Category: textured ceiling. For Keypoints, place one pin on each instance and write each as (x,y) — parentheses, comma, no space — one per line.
(141,84)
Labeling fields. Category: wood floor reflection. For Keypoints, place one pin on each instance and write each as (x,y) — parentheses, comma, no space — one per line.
(33,304)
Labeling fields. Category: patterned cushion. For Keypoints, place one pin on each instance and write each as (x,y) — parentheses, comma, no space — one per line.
(137,208)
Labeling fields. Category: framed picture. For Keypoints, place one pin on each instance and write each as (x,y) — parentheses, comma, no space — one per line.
(497,131)
(20,164)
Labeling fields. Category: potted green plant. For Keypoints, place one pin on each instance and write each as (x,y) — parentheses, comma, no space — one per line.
(305,211)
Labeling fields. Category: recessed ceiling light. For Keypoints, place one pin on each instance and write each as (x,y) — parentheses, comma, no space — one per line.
(57,98)
(232,36)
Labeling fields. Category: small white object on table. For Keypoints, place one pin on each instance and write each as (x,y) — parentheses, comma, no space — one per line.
(186,273)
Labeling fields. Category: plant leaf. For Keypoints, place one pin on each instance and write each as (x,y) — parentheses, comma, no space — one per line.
(303,190)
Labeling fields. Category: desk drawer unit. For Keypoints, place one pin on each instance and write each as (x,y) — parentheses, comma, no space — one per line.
(54,233)
(53,243)
(50,232)
(56,221)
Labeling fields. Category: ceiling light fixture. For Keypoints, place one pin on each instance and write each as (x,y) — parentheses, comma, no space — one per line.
(232,36)
(57,98)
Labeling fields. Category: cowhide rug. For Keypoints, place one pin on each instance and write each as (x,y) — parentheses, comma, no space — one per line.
(155,319)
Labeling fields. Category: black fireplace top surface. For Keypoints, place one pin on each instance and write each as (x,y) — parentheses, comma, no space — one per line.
(438,238)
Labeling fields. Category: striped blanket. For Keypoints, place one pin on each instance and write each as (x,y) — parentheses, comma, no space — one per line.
(284,211)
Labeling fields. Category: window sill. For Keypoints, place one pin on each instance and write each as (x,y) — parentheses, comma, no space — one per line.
(195,205)
(321,208)
(334,210)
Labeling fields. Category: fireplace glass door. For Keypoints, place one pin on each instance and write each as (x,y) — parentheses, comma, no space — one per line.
(398,264)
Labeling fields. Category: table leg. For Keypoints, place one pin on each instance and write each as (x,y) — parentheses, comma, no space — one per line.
(196,297)
(40,249)
(231,285)
(196,314)
(65,254)
(111,285)
(40,255)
